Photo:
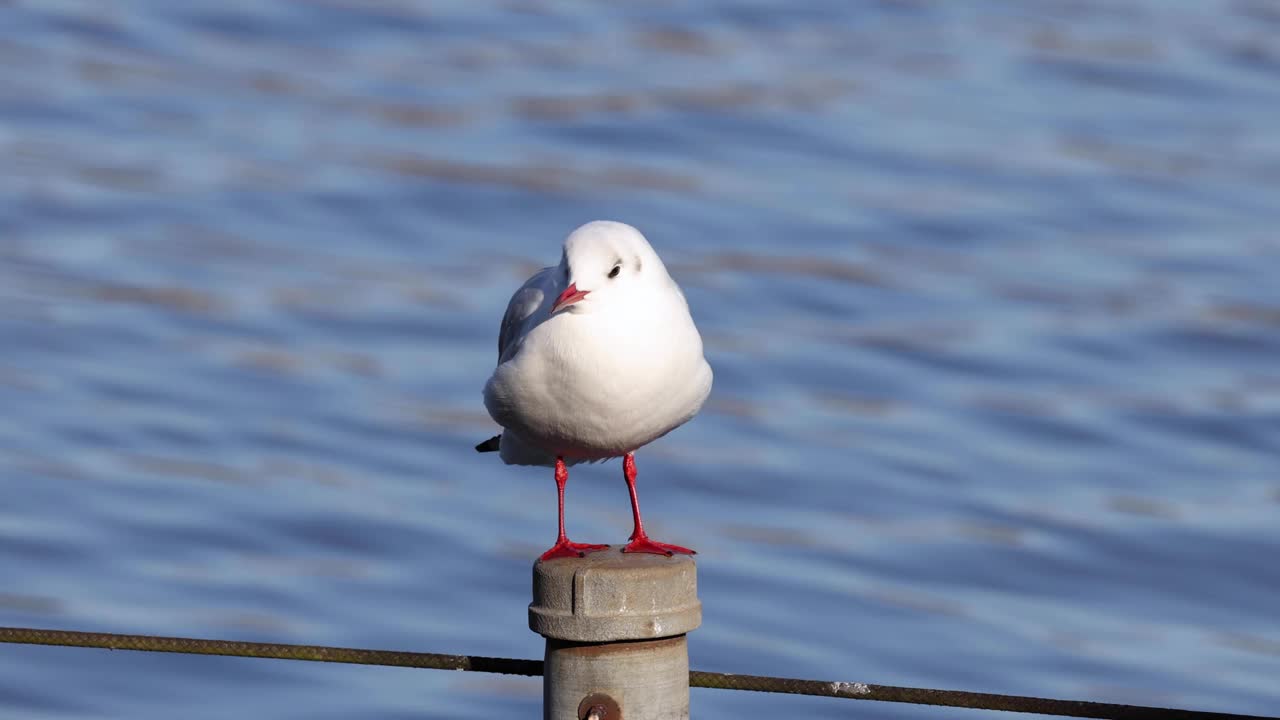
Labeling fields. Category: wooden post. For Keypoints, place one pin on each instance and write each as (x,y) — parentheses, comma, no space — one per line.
(615,626)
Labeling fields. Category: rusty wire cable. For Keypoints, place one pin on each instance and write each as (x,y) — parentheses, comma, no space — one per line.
(955,698)
(725,681)
(278,651)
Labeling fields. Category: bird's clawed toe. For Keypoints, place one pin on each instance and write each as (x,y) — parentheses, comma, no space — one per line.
(643,544)
(569,549)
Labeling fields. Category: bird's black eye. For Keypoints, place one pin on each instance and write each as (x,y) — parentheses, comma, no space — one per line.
(614,272)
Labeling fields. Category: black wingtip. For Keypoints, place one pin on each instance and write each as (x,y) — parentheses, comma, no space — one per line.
(490,445)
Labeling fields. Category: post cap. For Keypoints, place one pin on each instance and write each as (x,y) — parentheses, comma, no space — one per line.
(611,595)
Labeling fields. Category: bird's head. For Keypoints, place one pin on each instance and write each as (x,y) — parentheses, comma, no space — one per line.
(605,260)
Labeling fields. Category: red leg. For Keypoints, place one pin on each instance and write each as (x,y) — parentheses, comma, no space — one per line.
(639,541)
(563,547)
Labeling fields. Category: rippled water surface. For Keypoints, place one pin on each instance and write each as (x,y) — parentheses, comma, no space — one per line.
(989,289)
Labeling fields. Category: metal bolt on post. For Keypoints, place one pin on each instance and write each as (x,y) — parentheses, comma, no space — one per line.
(615,626)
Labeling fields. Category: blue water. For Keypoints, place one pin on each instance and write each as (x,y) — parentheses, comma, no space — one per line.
(989,289)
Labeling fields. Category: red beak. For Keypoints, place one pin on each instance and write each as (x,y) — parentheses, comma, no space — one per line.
(570,296)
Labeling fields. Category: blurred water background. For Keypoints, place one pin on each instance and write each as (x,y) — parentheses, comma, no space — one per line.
(989,289)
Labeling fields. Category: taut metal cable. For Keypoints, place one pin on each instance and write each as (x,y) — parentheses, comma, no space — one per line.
(955,698)
(474,663)
(278,651)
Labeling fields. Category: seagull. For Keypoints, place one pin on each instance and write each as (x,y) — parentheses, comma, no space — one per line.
(597,357)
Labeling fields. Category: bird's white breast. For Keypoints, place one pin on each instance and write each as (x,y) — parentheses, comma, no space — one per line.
(595,385)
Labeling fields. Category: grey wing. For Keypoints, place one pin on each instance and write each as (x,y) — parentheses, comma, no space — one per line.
(523,306)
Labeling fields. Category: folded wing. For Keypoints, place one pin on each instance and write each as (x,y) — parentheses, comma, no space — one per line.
(529,306)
